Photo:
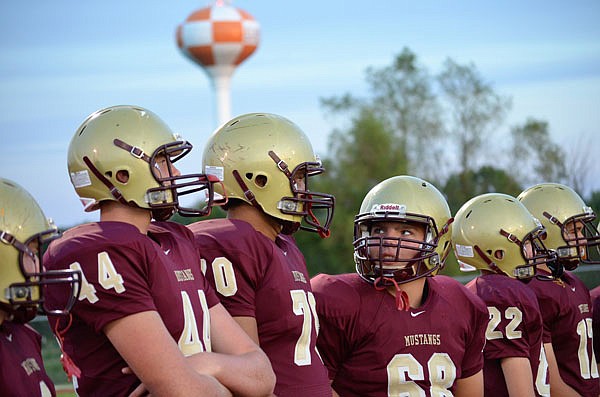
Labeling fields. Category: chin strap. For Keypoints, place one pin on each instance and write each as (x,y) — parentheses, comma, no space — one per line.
(402,302)
(70,368)
(247,192)
(116,193)
(322,233)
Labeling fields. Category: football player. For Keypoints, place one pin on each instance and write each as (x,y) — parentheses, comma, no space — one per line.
(265,163)
(565,303)
(496,235)
(144,303)
(394,329)
(23,232)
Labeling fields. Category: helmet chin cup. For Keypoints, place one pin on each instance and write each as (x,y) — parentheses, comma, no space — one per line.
(556,268)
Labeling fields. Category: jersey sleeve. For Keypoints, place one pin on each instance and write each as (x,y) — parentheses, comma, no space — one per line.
(236,260)
(473,358)
(596,324)
(114,284)
(335,319)
(507,337)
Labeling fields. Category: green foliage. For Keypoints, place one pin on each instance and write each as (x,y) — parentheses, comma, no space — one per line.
(216,212)
(475,110)
(594,201)
(535,158)
(461,187)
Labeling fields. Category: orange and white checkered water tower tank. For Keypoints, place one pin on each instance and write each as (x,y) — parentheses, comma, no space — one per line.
(219,38)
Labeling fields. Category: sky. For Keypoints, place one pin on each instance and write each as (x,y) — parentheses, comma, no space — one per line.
(64,59)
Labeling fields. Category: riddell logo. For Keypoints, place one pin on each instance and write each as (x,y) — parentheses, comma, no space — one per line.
(389,207)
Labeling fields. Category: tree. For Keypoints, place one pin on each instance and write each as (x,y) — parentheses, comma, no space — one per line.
(475,111)
(403,101)
(581,162)
(594,201)
(535,158)
(486,179)
(398,130)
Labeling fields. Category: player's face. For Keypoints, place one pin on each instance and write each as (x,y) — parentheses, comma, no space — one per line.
(31,263)
(389,232)
(574,233)
(528,249)
(299,182)
(161,168)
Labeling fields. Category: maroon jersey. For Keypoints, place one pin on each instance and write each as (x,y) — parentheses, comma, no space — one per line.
(595,297)
(514,330)
(256,277)
(22,370)
(373,349)
(126,272)
(567,313)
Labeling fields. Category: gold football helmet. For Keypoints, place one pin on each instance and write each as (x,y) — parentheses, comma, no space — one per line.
(495,232)
(23,232)
(113,156)
(403,199)
(562,211)
(266,160)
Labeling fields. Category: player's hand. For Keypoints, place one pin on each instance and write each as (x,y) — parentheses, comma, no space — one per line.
(139,391)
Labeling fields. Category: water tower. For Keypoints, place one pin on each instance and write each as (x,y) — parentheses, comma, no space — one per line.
(219,38)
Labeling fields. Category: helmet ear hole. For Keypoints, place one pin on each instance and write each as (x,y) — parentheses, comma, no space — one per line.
(499,254)
(249,176)
(123,176)
(260,180)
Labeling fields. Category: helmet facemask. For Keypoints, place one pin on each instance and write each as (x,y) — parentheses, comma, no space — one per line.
(532,252)
(383,260)
(563,212)
(166,197)
(581,238)
(26,298)
(164,200)
(315,209)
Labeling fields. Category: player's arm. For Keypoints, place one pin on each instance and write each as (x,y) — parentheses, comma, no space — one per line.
(471,386)
(518,376)
(140,338)
(236,361)
(558,387)
(248,324)
(334,393)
